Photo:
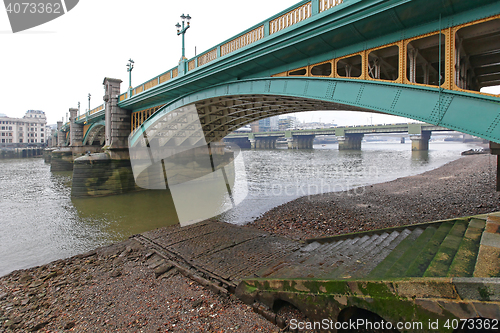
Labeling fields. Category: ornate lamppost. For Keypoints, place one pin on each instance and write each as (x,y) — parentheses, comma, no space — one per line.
(130,67)
(181,30)
(89,103)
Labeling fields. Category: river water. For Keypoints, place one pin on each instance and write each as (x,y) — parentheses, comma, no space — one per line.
(40,222)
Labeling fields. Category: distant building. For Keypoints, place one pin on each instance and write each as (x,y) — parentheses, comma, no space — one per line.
(268,124)
(287,123)
(20,132)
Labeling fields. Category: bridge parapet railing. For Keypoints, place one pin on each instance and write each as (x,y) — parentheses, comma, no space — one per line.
(294,15)
(91,112)
(97,109)
(327,4)
(207,57)
(241,41)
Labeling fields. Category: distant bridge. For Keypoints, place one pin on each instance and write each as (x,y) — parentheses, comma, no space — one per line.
(349,136)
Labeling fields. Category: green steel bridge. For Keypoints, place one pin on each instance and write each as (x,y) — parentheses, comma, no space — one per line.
(425,60)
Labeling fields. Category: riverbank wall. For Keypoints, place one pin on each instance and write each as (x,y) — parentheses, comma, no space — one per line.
(20,152)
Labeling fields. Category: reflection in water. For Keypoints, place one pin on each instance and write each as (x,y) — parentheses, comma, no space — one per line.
(40,222)
(420,156)
(128,214)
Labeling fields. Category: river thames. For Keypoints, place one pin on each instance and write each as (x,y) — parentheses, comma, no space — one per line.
(40,222)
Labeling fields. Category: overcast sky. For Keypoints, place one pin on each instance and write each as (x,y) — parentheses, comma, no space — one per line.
(54,66)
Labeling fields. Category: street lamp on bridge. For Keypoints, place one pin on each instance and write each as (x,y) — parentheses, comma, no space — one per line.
(130,67)
(181,30)
(89,102)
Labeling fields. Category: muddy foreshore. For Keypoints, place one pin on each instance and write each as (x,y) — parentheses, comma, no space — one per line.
(118,289)
(460,188)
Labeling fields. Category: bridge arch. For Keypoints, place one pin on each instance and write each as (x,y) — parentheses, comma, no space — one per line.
(96,131)
(226,107)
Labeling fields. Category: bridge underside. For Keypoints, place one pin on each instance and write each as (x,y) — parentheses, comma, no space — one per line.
(222,109)
(95,135)
(222,115)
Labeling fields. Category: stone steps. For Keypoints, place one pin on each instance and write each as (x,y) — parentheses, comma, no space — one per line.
(437,249)
(419,265)
(449,248)
(441,262)
(465,259)
(488,263)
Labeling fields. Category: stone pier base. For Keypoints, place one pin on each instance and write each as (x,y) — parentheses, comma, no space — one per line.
(304,141)
(97,175)
(420,141)
(350,141)
(47,154)
(61,160)
(265,143)
(240,142)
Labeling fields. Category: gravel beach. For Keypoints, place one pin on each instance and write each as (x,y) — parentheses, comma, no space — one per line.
(118,289)
(460,188)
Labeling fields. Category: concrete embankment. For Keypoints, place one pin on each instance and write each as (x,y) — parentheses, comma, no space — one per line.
(20,152)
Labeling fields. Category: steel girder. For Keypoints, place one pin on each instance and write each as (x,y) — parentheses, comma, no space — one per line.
(225,107)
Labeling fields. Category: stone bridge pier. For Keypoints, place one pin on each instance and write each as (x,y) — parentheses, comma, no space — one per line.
(299,141)
(302,141)
(240,142)
(75,130)
(62,159)
(350,141)
(263,142)
(495,150)
(60,135)
(420,141)
(108,172)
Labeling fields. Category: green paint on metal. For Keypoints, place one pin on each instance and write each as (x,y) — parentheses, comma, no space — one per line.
(93,127)
(414,129)
(304,43)
(410,103)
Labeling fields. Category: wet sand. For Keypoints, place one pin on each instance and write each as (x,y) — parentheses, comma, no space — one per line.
(118,289)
